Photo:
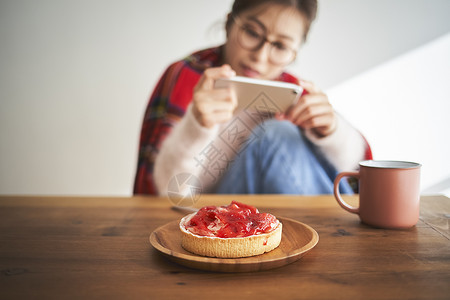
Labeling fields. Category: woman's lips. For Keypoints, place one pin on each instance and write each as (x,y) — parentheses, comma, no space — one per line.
(249,72)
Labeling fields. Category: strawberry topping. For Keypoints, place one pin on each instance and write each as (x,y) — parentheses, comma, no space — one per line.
(234,220)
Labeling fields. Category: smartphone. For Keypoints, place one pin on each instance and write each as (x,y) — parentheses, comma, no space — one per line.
(261,95)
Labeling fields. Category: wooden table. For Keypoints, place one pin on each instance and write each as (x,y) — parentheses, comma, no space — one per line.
(82,248)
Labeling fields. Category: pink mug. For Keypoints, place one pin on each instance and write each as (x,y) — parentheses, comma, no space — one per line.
(388,193)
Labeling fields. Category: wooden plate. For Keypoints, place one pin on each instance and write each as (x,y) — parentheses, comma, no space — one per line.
(297,239)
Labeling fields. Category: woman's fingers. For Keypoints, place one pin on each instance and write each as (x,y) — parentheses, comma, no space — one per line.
(310,87)
(313,111)
(210,75)
(212,106)
(215,100)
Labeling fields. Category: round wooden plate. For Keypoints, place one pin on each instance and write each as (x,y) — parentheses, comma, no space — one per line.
(297,239)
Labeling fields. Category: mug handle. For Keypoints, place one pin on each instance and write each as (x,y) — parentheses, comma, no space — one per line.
(337,194)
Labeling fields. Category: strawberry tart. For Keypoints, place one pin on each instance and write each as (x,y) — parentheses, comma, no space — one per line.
(232,231)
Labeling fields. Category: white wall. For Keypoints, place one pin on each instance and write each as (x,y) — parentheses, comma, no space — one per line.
(75,77)
(351,36)
(403,108)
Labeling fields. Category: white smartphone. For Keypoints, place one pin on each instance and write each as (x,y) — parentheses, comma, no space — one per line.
(261,95)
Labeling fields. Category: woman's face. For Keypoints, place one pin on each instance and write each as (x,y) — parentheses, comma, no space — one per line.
(282,27)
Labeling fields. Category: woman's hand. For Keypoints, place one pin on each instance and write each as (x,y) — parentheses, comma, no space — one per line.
(212,106)
(313,111)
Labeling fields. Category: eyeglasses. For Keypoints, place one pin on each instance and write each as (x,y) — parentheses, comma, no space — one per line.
(253,37)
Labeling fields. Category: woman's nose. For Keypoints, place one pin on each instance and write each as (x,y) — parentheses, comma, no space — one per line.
(262,54)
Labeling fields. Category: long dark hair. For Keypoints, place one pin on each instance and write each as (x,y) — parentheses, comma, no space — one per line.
(308,8)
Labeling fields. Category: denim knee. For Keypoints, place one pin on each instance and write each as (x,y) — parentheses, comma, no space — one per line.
(282,135)
(276,131)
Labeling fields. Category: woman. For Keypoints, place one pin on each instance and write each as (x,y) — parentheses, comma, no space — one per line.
(191,130)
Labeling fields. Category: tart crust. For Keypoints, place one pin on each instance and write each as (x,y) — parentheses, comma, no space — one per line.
(229,247)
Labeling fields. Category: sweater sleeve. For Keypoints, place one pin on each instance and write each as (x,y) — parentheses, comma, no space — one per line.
(187,139)
(344,148)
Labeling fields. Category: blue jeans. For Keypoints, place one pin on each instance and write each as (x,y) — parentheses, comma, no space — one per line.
(279,159)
